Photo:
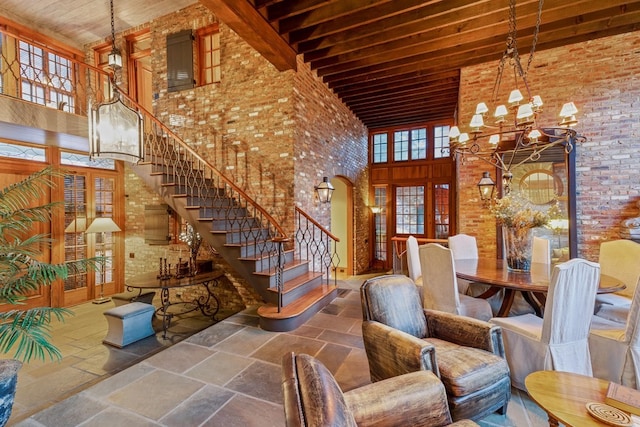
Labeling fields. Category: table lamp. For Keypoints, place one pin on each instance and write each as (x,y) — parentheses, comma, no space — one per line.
(102,225)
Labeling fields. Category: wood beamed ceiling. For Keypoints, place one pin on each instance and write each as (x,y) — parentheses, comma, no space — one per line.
(397,62)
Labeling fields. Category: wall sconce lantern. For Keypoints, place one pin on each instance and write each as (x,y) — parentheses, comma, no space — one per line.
(324,190)
(486,186)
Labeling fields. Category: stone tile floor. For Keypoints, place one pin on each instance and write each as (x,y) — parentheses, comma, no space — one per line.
(226,375)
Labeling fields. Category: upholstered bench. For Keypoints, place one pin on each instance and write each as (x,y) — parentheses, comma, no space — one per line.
(128,323)
(133,296)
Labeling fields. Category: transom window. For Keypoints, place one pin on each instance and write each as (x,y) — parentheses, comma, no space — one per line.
(380,148)
(421,143)
(441,141)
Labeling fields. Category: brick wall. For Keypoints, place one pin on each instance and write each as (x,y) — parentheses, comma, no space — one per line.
(275,134)
(601,78)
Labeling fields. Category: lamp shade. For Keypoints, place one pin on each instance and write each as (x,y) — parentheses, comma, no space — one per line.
(103,225)
(78,225)
(324,190)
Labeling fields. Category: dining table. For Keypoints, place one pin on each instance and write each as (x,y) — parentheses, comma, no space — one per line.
(533,285)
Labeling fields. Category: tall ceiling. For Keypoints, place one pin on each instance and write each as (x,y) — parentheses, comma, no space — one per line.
(392,62)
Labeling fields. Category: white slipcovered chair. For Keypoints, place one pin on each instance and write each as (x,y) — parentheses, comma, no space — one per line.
(619,259)
(558,341)
(463,246)
(541,252)
(615,348)
(413,261)
(440,285)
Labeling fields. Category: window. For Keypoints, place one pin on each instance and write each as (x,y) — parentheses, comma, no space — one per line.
(22,152)
(208,40)
(380,223)
(410,210)
(401,146)
(379,148)
(419,144)
(45,78)
(441,142)
(412,142)
(104,189)
(441,197)
(75,221)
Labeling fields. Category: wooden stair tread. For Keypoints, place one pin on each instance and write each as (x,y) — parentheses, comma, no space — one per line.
(287,266)
(297,281)
(299,306)
(258,258)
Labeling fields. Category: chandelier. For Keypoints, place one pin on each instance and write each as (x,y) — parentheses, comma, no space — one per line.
(508,143)
(115,130)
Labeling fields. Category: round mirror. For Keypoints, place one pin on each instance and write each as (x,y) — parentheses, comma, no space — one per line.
(540,186)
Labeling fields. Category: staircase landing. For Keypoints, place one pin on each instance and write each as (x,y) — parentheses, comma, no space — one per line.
(296,313)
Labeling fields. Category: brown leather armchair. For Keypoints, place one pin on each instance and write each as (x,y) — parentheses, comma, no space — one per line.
(466,354)
(313,398)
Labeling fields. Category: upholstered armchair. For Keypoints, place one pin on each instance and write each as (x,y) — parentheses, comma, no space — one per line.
(467,354)
(313,398)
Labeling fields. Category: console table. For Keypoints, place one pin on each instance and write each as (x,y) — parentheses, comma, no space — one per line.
(208,304)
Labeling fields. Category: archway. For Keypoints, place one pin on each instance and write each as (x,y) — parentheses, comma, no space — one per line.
(342,222)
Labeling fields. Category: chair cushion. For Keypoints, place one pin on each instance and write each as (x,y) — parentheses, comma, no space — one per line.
(465,370)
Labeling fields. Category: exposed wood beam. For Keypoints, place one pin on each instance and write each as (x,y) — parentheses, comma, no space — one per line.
(245,20)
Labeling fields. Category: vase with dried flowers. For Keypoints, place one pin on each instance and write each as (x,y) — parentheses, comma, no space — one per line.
(193,240)
(518,218)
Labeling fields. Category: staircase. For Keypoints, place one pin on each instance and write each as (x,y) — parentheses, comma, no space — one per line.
(290,273)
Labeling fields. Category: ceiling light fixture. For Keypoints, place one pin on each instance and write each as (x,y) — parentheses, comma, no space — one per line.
(507,146)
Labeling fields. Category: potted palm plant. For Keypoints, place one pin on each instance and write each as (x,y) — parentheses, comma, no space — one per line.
(25,333)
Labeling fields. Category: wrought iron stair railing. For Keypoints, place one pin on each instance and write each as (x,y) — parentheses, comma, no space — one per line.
(72,86)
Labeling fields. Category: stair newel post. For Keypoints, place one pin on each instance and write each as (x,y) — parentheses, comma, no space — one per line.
(280,241)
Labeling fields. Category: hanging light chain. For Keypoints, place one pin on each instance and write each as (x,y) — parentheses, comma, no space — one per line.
(113,29)
(536,31)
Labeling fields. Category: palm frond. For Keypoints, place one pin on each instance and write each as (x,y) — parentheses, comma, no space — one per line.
(21,194)
(28,331)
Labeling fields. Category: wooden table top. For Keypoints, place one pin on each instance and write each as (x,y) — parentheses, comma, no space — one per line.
(495,272)
(564,396)
(151,281)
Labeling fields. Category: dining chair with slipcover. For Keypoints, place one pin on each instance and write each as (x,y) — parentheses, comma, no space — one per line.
(541,251)
(440,285)
(615,348)
(313,398)
(464,246)
(558,341)
(467,354)
(413,261)
(619,259)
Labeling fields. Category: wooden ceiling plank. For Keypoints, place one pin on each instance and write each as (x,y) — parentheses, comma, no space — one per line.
(410,9)
(442,76)
(245,20)
(367,97)
(400,104)
(448,37)
(420,110)
(402,94)
(328,12)
(287,9)
(452,13)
